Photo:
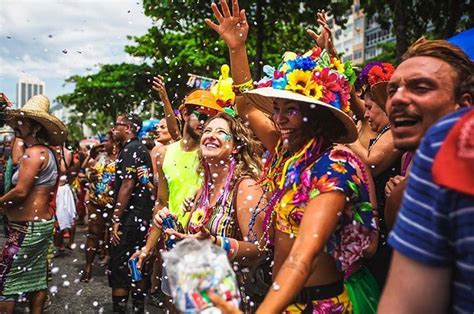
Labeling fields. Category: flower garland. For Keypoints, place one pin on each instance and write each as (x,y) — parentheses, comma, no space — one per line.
(314,74)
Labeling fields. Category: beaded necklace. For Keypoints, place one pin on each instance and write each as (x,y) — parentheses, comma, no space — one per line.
(282,171)
(203,204)
(375,140)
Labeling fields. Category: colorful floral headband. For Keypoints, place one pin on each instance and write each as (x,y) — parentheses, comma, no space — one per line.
(315,74)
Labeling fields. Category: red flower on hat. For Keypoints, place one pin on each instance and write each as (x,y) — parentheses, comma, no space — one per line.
(380,73)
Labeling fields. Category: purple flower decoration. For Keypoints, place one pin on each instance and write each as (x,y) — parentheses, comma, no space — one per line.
(364,74)
(328,306)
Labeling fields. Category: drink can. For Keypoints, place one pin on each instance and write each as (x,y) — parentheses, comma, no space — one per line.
(146,175)
(168,223)
(134,271)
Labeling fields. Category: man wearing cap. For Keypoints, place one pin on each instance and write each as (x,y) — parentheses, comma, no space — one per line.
(432,265)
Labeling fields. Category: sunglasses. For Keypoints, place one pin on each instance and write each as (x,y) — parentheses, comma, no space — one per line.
(201,116)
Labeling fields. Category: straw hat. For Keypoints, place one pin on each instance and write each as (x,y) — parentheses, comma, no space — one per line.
(312,78)
(37,108)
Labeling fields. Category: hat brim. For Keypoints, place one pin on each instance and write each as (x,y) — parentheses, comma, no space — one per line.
(57,132)
(379,94)
(262,99)
(203,103)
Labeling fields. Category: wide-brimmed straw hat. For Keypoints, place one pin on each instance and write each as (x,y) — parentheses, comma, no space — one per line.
(312,78)
(37,109)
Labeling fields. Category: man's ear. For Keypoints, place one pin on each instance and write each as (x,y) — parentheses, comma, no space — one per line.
(465,100)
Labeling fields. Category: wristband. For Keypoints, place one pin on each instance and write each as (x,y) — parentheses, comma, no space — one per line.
(225,245)
(244,87)
(234,248)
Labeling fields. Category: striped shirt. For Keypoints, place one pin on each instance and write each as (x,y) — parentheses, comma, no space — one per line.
(435,225)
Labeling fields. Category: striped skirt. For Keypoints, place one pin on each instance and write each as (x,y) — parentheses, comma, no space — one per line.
(23,263)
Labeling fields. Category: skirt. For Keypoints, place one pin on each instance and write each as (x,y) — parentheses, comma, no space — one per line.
(363,291)
(65,207)
(23,263)
(338,304)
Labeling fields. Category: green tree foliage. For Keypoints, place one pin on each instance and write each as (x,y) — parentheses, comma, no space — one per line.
(116,88)
(181,42)
(413,19)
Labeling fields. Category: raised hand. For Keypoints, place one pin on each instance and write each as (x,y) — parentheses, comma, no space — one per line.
(159,86)
(324,40)
(233,28)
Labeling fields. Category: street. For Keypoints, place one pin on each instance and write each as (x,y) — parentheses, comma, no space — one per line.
(68,294)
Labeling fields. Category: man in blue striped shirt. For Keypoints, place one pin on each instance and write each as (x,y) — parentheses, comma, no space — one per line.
(432,268)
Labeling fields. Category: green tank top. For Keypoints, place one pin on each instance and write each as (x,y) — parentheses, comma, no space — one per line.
(181,173)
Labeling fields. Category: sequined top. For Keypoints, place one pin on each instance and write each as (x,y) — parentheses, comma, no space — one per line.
(219,220)
(334,170)
(102,190)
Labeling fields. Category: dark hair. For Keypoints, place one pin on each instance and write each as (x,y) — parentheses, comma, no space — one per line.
(321,122)
(148,142)
(42,134)
(467,86)
(444,50)
(134,121)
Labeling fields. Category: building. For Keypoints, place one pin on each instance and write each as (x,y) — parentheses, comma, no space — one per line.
(359,39)
(27,88)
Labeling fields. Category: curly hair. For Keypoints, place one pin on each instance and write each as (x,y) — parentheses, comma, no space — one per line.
(444,50)
(249,148)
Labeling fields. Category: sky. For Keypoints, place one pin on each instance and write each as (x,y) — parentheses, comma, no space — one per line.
(51,40)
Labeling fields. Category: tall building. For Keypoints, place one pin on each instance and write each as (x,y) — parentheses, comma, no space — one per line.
(27,88)
(359,39)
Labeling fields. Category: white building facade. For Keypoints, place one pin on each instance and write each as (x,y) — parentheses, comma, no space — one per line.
(27,88)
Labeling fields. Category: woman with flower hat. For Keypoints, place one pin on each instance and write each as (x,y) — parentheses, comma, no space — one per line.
(27,206)
(381,156)
(319,202)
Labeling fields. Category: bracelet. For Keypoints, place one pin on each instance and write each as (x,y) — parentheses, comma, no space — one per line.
(225,245)
(234,248)
(244,87)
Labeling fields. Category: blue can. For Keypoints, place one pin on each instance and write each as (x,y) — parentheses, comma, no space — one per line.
(146,175)
(134,271)
(168,223)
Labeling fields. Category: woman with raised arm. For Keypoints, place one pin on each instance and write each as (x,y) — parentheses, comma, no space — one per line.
(319,205)
(27,205)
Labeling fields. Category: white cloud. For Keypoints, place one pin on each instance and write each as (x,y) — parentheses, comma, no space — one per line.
(54,39)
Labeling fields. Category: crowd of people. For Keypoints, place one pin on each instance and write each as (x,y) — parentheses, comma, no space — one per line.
(331,190)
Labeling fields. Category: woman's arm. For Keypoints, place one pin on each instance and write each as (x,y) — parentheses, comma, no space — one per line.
(247,199)
(233,29)
(319,221)
(382,155)
(30,165)
(171,121)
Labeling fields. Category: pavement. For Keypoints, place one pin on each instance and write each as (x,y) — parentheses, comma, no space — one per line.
(68,294)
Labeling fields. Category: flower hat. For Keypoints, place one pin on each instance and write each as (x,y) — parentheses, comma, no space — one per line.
(375,76)
(313,78)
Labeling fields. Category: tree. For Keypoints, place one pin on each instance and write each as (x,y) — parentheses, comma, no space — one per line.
(181,43)
(114,89)
(414,18)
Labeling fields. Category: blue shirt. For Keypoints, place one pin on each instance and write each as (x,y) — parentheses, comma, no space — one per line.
(435,225)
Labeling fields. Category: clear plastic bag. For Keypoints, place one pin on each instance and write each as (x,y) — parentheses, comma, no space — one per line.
(193,268)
